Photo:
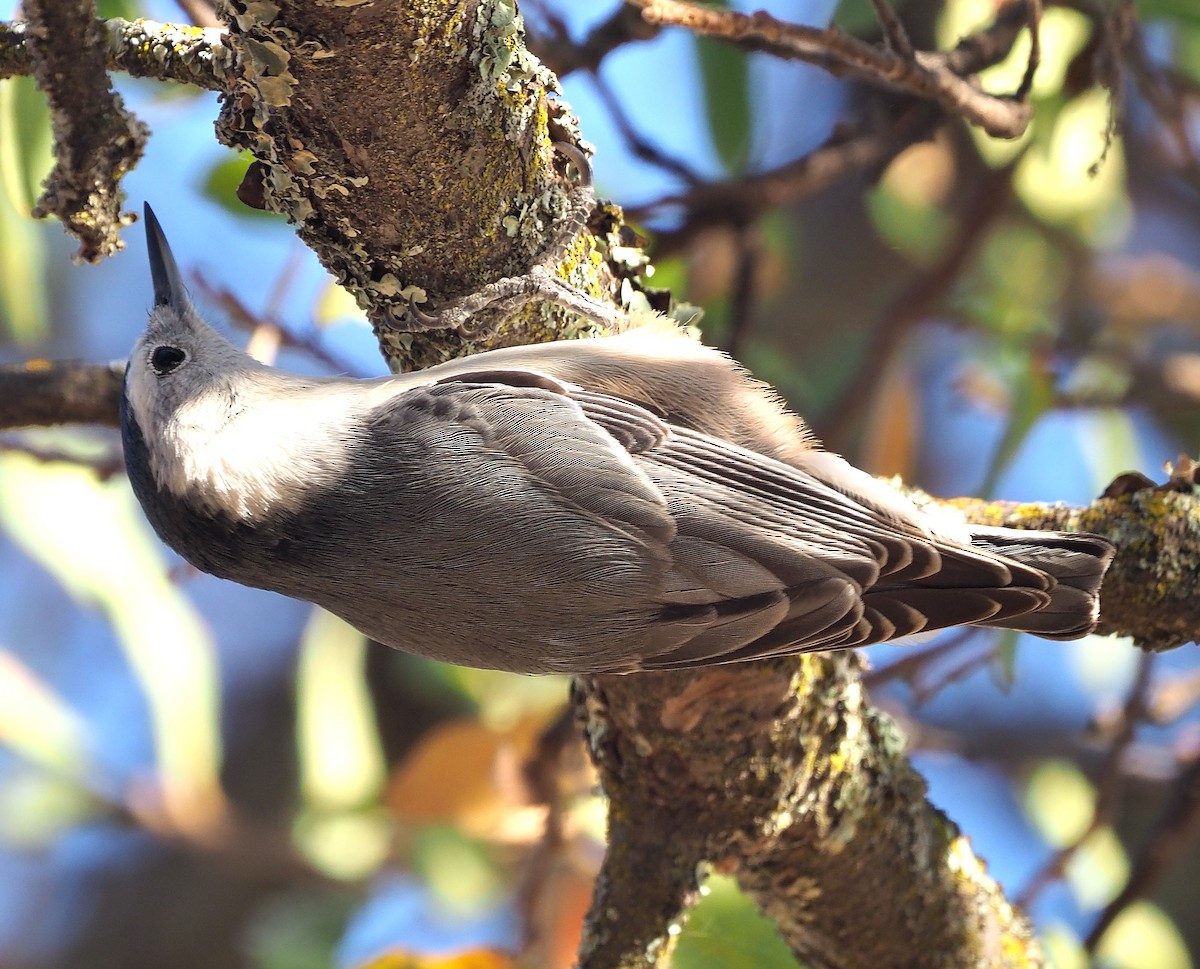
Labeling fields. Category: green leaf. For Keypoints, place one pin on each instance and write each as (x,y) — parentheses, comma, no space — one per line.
(336,305)
(1004,660)
(341,764)
(856,17)
(1060,801)
(25,160)
(222,181)
(26,150)
(726,931)
(724,70)
(1032,395)
(458,868)
(126,9)
(918,231)
(1185,11)
(299,929)
(1143,937)
(1187,51)
(92,537)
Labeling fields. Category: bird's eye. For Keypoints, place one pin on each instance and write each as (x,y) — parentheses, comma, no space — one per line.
(166,359)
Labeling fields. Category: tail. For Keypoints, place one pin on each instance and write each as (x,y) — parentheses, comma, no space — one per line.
(1077,562)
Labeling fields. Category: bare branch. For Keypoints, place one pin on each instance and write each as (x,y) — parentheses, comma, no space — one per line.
(558,53)
(1104,813)
(917,301)
(1035,48)
(924,75)
(44,394)
(893,30)
(846,153)
(1171,837)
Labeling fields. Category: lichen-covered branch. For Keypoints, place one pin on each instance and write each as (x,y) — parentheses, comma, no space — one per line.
(411,144)
(143,48)
(96,141)
(782,774)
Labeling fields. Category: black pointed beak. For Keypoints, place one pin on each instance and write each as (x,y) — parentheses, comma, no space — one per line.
(168,284)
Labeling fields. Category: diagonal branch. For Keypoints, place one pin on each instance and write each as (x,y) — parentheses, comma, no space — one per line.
(922,74)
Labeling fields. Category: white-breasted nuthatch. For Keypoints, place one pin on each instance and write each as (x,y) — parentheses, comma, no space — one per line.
(606,505)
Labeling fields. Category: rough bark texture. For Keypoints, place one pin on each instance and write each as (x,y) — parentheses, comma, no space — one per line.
(96,141)
(411,144)
(169,52)
(782,773)
(41,394)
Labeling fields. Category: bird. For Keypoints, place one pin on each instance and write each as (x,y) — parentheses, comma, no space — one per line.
(625,503)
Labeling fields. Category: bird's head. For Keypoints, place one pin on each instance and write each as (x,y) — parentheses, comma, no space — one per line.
(180,363)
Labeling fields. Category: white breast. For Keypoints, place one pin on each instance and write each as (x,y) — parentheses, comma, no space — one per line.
(250,455)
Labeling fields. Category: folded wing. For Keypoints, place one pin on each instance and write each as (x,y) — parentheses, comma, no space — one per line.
(766,557)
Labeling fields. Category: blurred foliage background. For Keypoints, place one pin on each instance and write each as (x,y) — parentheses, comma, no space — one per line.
(196,774)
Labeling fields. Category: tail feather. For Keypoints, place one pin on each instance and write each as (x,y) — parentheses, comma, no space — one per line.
(1077,563)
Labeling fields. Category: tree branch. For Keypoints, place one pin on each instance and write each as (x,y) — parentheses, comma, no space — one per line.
(423,187)
(922,74)
(44,394)
(782,773)
(143,48)
(411,145)
(96,141)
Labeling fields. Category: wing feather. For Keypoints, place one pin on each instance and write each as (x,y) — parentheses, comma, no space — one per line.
(760,557)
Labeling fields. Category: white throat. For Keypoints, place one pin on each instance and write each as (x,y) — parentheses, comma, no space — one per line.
(253,452)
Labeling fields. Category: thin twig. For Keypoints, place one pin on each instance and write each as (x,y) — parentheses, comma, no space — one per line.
(1174,832)
(920,298)
(894,33)
(105,466)
(910,665)
(923,74)
(1108,785)
(742,200)
(559,53)
(200,12)
(925,690)
(143,48)
(244,318)
(1034,8)
(542,772)
(1163,91)
(643,148)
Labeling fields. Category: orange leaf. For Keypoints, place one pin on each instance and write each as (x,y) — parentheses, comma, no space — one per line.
(465,773)
(471,959)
